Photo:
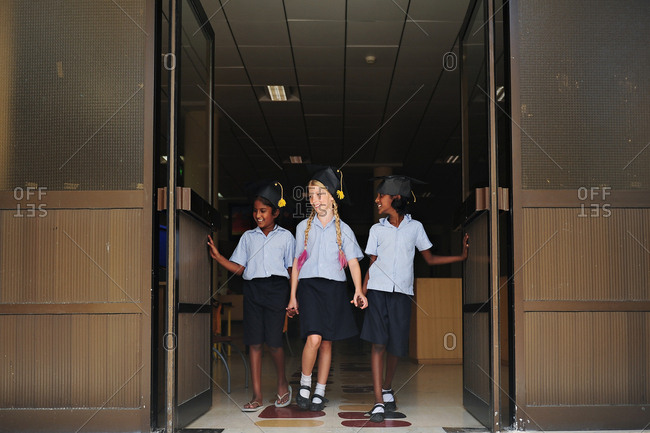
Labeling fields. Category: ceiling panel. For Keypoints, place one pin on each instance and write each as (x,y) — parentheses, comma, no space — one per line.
(267,57)
(314,57)
(315,10)
(384,57)
(225,94)
(354,108)
(374,32)
(377,10)
(439,10)
(253,10)
(272,76)
(321,93)
(324,126)
(365,93)
(375,77)
(423,33)
(317,33)
(312,107)
(325,76)
(226,56)
(421,56)
(230,75)
(280,109)
(261,33)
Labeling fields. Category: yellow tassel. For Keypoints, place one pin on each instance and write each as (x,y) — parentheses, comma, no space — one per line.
(414,199)
(339,192)
(282,202)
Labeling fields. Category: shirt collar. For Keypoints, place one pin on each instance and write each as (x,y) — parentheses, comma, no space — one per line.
(320,224)
(385,222)
(259,230)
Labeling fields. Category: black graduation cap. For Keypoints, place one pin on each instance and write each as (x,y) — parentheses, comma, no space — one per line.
(270,190)
(396,185)
(332,178)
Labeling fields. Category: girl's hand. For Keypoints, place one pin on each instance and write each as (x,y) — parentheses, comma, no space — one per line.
(214,253)
(292,308)
(359,300)
(465,246)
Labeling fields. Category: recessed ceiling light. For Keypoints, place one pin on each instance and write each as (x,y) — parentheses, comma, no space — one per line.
(295,159)
(277,93)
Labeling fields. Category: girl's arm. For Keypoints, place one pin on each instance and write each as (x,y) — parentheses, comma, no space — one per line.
(233,267)
(359,299)
(444,260)
(292,308)
(364,289)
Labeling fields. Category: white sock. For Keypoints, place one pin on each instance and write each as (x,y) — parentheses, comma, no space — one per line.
(320,389)
(377,408)
(387,397)
(305,381)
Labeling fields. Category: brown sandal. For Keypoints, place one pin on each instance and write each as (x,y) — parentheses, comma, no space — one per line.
(252,406)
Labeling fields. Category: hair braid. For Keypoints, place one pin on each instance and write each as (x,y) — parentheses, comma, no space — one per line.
(339,241)
(311,218)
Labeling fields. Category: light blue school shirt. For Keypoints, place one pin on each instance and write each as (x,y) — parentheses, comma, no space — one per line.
(323,250)
(394,247)
(264,256)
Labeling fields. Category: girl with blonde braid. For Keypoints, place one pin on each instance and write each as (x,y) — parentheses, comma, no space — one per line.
(324,245)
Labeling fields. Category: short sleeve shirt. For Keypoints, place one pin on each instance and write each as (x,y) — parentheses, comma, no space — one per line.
(323,250)
(264,256)
(395,247)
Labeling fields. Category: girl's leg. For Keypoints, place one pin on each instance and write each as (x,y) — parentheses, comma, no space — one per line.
(377,367)
(391,367)
(309,353)
(255,358)
(277,354)
(324,361)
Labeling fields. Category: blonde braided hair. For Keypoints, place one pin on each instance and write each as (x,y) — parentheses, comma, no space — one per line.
(311,218)
(337,221)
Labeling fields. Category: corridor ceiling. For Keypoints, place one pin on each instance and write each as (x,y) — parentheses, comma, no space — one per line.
(401,111)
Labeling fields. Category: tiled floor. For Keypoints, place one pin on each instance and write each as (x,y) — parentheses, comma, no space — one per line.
(429,395)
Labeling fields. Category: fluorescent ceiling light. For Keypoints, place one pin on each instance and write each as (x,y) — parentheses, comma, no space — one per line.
(277,93)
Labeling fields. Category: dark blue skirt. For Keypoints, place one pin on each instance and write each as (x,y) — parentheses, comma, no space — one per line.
(325,309)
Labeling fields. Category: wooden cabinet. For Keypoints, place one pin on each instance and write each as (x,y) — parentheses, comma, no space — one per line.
(436,321)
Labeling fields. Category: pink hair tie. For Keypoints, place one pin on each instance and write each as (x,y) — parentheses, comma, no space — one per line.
(302,258)
(342,260)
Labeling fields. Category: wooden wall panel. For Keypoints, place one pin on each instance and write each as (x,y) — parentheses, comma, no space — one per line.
(63,361)
(587,358)
(436,312)
(583,258)
(72,256)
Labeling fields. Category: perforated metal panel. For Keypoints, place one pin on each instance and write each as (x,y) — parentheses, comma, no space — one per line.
(75,115)
(584,117)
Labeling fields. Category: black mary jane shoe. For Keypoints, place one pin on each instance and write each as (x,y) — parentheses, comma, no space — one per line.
(315,407)
(303,402)
(375,414)
(390,406)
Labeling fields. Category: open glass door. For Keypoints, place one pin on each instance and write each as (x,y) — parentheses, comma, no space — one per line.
(186,216)
(486,182)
